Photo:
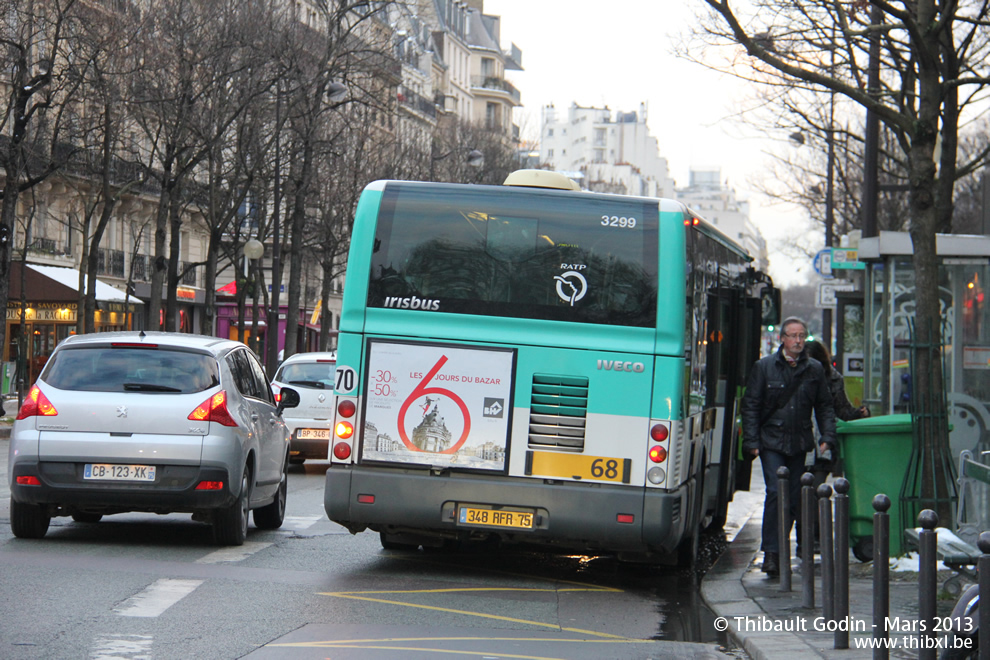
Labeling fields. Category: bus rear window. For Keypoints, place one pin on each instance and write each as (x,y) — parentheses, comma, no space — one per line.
(525,253)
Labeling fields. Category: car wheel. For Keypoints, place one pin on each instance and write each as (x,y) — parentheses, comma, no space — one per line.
(28,521)
(82,517)
(230,524)
(271,515)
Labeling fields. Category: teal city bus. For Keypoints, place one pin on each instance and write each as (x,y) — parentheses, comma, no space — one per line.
(539,365)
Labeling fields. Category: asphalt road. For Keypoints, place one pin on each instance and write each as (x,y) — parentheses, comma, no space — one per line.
(137,586)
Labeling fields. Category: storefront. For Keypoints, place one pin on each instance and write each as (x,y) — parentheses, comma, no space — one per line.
(48,314)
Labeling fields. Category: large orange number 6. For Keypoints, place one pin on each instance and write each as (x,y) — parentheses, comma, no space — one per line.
(422,390)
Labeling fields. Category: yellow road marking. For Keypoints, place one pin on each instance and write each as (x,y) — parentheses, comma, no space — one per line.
(484,654)
(497,617)
(590,587)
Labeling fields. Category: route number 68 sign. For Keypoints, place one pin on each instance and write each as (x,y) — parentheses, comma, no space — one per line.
(438,405)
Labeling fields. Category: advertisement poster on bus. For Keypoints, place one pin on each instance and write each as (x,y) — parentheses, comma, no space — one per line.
(443,406)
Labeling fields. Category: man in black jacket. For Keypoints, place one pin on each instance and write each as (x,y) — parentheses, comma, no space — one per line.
(783,391)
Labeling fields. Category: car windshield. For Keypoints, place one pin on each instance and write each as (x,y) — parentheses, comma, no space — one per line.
(107,369)
(318,375)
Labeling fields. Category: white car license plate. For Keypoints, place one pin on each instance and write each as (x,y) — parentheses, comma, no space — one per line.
(110,472)
(313,434)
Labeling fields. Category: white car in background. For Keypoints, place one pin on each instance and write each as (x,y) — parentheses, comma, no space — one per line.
(311,375)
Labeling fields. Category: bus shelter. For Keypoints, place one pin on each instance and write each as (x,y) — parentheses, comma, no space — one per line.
(889,311)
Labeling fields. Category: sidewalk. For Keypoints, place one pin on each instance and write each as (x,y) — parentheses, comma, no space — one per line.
(770,624)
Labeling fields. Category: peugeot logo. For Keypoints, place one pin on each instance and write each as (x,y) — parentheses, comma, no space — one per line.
(121,411)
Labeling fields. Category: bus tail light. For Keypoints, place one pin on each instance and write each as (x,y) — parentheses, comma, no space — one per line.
(660,432)
(345,411)
(346,408)
(658,452)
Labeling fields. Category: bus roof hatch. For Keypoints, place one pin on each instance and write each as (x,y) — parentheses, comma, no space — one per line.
(541,179)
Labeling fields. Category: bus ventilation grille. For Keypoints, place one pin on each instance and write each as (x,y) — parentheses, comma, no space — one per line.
(558,411)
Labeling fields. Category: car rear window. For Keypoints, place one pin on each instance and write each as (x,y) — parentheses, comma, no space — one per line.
(318,375)
(106,369)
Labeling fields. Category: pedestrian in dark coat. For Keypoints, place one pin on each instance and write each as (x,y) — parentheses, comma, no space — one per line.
(783,391)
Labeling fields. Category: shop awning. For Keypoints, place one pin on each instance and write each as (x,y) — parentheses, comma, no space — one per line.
(229,289)
(56,283)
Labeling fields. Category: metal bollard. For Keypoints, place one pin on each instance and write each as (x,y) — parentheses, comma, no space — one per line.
(983,567)
(784,526)
(825,541)
(881,575)
(841,562)
(927,584)
(808,540)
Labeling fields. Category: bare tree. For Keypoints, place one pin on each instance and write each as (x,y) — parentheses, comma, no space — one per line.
(929,57)
(35,40)
(351,51)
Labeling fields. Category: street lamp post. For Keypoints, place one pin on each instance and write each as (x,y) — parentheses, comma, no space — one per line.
(798,138)
(271,332)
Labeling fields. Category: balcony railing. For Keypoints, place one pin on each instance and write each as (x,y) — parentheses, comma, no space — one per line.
(110,262)
(47,245)
(139,268)
(500,84)
(417,102)
(188,276)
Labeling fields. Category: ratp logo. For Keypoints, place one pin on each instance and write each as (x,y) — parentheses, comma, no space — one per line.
(571,286)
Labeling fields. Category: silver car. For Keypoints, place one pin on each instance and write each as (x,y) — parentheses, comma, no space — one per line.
(311,374)
(155,422)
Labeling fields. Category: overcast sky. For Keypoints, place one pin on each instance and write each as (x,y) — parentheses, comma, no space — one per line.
(619,53)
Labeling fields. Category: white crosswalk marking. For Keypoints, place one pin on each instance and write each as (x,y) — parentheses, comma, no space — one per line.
(122,647)
(158,597)
(233,553)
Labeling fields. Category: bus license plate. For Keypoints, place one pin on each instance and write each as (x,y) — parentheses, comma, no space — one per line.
(493,518)
(110,472)
(313,434)
(577,466)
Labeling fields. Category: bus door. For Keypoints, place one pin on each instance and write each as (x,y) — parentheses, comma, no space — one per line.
(734,325)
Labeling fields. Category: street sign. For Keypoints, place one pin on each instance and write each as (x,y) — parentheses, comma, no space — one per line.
(823,262)
(848,258)
(826,293)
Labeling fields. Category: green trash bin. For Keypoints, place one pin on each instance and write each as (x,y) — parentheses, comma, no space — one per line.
(875,453)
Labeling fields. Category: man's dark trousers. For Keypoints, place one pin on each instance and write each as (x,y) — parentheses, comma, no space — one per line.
(771,461)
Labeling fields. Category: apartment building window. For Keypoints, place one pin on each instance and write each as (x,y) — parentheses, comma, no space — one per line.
(487,67)
(549,132)
(492,116)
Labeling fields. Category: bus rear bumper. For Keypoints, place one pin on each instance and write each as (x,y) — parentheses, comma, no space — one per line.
(567,514)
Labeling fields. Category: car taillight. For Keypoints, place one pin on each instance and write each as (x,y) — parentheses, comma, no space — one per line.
(36,403)
(346,408)
(213,409)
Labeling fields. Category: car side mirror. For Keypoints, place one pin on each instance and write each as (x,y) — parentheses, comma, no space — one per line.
(289,398)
